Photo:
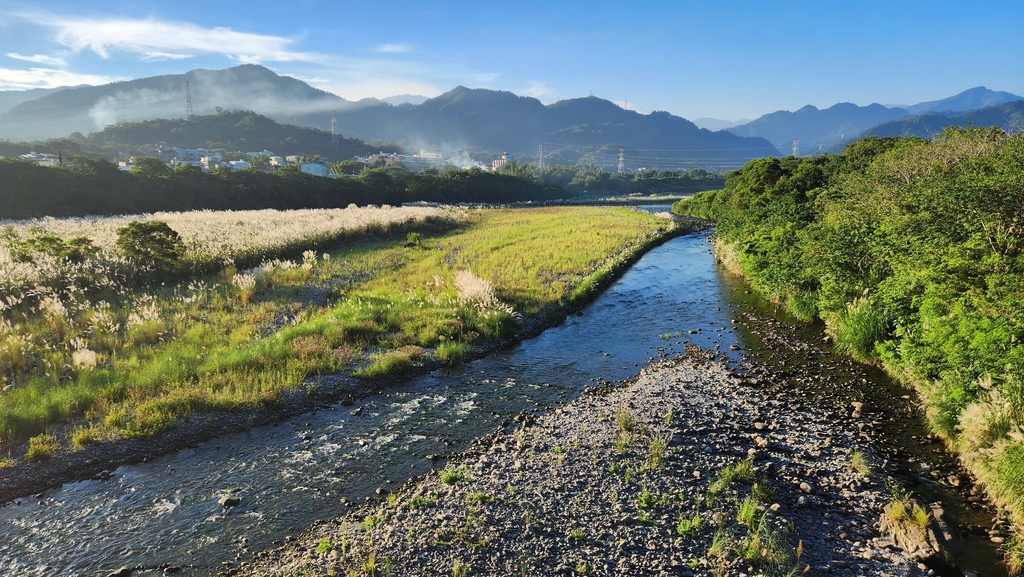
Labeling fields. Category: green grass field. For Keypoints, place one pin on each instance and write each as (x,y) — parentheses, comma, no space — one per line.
(132,364)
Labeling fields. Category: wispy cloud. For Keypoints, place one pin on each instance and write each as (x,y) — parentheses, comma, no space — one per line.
(162,40)
(46,78)
(399,48)
(538,90)
(37,59)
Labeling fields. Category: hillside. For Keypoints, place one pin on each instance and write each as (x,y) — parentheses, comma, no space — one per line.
(1008,116)
(91,108)
(236,130)
(970,99)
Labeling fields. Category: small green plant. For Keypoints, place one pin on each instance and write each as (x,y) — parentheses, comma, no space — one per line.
(577,536)
(6,462)
(582,568)
(624,419)
(669,416)
(689,526)
(622,442)
(747,512)
(740,472)
(413,239)
(646,499)
(42,446)
(477,498)
(859,463)
(460,568)
(656,452)
(451,476)
(419,501)
(324,546)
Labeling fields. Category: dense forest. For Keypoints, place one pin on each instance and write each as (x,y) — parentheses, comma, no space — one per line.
(910,250)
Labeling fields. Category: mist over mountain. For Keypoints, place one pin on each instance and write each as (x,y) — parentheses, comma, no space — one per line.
(404,99)
(91,108)
(11,98)
(582,130)
(717,123)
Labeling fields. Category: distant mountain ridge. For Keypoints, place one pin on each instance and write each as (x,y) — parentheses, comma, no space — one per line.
(816,129)
(970,99)
(819,130)
(587,130)
(1008,116)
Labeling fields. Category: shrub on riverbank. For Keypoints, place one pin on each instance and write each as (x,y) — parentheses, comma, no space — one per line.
(131,360)
(911,252)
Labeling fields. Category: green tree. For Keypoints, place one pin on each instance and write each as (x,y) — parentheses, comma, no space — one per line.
(151,245)
(149,167)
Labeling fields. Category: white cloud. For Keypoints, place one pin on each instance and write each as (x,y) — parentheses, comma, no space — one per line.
(393,48)
(37,59)
(162,40)
(46,78)
(538,90)
(380,88)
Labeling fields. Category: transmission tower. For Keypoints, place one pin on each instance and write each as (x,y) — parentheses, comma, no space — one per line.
(334,129)
(188,101)
(542,156)
(796,148)
(622,160)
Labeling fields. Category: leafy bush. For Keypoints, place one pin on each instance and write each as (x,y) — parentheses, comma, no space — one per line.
(151,245)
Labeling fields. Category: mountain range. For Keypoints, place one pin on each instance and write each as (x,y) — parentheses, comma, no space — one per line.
(585,130)
(588,130)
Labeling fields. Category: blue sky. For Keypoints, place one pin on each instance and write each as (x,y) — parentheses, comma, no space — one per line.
(726,59)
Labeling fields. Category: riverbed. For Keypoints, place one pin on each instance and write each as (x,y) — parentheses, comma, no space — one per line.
(167,512)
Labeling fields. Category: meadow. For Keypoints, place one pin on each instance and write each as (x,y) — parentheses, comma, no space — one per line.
(106,336)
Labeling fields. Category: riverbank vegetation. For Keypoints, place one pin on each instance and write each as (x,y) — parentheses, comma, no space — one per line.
(910,251)
(118,336)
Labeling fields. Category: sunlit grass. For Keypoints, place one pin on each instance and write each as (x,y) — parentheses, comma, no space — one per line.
(131,364)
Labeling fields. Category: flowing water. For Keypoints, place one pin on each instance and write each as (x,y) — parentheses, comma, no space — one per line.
(165,512)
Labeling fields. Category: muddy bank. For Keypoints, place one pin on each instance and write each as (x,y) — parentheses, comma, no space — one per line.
(628,480)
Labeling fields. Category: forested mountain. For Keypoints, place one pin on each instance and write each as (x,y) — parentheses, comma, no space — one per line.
(579,130)
(236,130)
(1008,116)
(91,108)
(817,129)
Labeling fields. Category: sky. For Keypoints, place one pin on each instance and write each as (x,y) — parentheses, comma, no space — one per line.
(726,59)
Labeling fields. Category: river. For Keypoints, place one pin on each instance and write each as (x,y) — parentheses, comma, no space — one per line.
(165,512)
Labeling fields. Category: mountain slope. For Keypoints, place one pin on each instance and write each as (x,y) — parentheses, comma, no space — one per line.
(973,98)
(816,129)
(1009,116)
(91,108)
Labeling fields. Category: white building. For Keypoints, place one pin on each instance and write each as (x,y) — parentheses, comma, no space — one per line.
(41,158)
(314,168)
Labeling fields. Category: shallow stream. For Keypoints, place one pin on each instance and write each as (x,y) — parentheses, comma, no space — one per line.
(165,513)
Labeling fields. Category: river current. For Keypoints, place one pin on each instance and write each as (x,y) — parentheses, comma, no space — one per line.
(165,512)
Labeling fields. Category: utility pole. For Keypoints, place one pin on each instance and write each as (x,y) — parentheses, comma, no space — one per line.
(542,156)
(796,148)
(334,129)
(188,101)
(622,160)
